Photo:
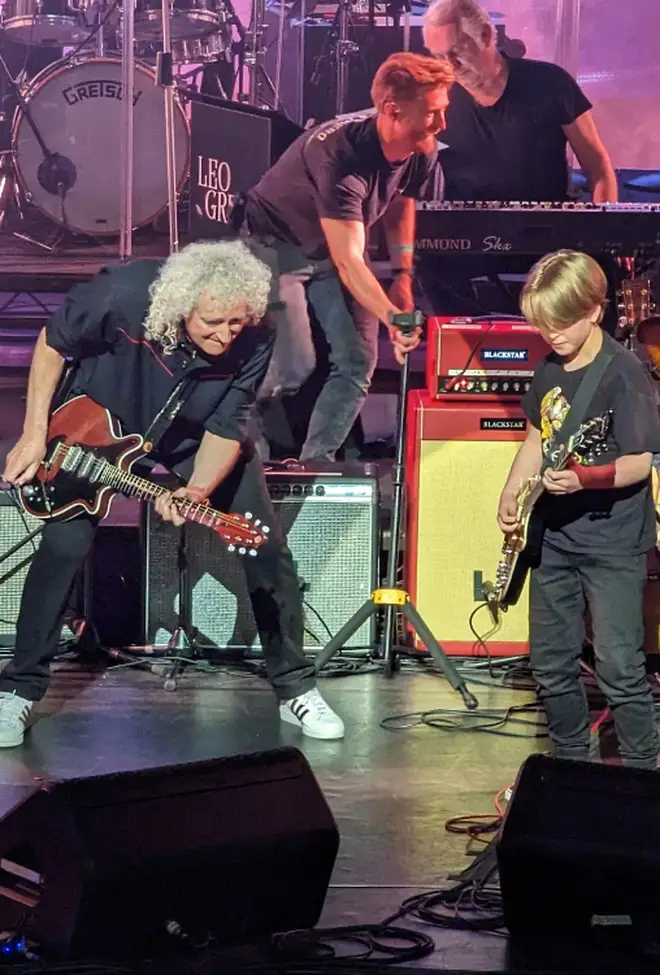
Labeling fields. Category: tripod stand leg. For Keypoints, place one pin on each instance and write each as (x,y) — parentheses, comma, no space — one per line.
(348,629)
(439,656)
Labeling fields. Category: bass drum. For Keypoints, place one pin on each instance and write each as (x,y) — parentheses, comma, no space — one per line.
(77,110)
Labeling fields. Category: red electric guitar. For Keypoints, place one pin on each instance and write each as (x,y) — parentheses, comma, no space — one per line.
(88,461)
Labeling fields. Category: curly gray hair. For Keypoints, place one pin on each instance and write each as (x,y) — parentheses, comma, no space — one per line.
(226,270)
(467,15)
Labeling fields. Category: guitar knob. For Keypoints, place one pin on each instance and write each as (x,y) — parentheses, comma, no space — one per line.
(231,548)
(242,551)
(28,491)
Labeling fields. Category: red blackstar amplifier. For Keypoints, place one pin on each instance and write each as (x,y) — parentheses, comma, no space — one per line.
(481,358)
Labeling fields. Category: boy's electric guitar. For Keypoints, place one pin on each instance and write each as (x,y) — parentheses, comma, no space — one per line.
(522,546)
(88,462)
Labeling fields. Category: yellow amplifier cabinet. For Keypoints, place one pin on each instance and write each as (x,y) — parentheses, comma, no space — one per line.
(458,458)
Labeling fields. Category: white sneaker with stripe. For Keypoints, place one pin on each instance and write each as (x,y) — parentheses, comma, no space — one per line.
(14,713)
(314,715)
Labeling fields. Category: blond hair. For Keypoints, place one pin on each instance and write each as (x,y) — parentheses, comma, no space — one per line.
(404,77)
(563,288)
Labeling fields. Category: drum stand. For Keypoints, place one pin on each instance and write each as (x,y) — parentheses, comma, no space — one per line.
(255,54)
(345,49)
(56,173)
(393,598)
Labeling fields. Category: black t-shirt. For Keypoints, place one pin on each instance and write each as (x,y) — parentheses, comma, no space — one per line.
(515,149)
(621,520)
(336,171)
(100,326)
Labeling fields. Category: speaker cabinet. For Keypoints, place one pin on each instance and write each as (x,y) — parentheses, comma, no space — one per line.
(232,848)
(458,458)
(331,522)
(579,851)
(15,527)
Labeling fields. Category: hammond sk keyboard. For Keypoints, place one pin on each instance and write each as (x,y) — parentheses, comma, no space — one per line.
(625,229)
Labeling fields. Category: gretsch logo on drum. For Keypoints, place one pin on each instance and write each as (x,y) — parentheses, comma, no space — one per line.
(99,88)
(214,176)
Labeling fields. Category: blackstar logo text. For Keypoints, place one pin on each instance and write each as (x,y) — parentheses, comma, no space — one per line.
(214,176)
(502,423)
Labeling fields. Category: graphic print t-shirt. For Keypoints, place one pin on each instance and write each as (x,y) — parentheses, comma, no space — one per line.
(335,171)
(621,520)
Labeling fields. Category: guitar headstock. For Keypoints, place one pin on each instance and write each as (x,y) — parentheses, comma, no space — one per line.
(242,533)
(590,435)
(636,302)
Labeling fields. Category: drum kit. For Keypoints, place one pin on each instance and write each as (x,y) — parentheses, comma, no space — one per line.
(69,142)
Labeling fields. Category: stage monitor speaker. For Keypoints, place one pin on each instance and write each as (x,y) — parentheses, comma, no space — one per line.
(459,455)
(330,518)
(232,146)
(229,849)
(579,851)
(15,527)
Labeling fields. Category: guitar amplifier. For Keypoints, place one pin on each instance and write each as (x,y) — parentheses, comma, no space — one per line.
(459,456)
(331,521)
(15,527)
(481,358)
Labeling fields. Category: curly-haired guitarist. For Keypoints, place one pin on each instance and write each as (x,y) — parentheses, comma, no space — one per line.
(134,333)
(597,512)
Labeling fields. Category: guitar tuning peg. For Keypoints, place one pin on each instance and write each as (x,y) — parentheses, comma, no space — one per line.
(252,552)
(231,548)
(248,514)
(257,521)
(242,551)
(265,529)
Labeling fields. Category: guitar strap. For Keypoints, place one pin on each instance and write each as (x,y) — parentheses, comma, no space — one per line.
(582,400)
(168,412)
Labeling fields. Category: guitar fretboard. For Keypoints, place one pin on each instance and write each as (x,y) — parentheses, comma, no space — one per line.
(97,470)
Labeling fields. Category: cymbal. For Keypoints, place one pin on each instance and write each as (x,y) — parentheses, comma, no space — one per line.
(647,181)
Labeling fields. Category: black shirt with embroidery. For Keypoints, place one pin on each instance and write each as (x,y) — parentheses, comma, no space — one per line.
(616,521)
(100,327)
(335,171)
(515,149)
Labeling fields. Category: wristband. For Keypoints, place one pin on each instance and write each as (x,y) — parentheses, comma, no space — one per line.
(599,477)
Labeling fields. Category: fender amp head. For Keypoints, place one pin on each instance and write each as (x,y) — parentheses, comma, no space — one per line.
(330,518)
(481,358)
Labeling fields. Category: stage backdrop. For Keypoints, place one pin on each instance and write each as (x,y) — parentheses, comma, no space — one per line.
(611,46)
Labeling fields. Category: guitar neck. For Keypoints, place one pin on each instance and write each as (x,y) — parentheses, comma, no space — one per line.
(145,490)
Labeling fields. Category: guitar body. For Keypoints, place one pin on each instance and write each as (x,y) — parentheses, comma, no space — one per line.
(58,494)
(519,554)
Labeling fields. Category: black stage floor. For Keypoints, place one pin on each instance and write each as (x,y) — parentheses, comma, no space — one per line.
(391,791)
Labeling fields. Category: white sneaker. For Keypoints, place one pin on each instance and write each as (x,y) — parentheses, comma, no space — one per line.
(14,713)
(314,715)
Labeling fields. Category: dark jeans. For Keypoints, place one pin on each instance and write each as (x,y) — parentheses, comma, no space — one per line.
(351,334)
(271,579)
(612,588)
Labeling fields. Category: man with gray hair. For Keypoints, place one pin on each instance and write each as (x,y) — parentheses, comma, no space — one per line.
(181,344)
(509,119)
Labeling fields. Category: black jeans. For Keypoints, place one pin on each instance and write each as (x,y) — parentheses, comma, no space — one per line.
(271,579)
(612,587)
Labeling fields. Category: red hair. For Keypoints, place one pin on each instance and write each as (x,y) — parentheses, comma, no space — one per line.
(404,77)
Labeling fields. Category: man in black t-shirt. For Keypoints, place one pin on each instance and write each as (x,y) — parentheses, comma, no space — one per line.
(509,123)
(597,512)
(312,210)
(176,344)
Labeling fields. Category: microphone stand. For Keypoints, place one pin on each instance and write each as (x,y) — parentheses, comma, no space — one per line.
(165,78)
(56,173)
(126,144)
